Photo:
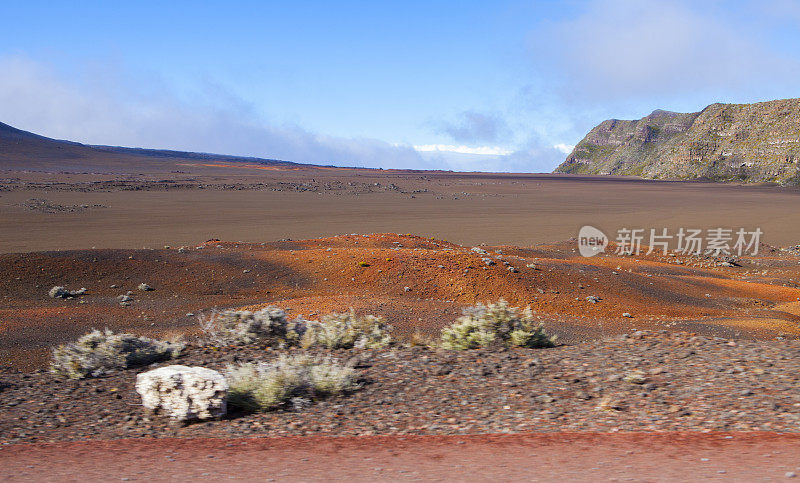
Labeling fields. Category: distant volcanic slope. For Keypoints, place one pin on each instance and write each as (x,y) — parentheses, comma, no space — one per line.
(24,151)
(727,142)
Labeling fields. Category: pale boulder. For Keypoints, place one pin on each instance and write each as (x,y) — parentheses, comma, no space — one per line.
(183,393)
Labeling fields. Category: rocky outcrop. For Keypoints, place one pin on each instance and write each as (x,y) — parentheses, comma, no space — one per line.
(727,142)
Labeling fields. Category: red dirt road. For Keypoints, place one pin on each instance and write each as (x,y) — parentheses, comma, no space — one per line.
(535,457)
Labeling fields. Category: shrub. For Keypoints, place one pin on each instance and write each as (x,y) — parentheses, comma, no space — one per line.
(484,325)
(242,327)
(346,330)
(419,339)
(268,386)
(97,352)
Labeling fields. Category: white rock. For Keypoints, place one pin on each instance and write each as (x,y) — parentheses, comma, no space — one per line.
(62,292)
(183,392)
(59,292)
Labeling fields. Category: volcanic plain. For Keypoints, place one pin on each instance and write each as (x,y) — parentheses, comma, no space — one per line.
(214,236)
(713,340)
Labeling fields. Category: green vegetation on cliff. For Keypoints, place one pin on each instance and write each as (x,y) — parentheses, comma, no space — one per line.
(726,142)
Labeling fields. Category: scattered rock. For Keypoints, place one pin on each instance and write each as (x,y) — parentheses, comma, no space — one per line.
(635,377)
(144,287)
(610,403)
(59,292)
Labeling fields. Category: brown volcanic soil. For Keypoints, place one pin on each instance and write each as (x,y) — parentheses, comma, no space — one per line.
(186,203)
(419,285)
(529,457)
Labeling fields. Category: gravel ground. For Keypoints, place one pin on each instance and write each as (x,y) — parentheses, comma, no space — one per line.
(639,382)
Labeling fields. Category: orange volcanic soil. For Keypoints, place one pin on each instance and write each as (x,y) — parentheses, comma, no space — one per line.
(417,284)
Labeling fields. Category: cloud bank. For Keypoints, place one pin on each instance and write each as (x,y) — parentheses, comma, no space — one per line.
(112,111)
(483,150)
(475,127)
(623,49)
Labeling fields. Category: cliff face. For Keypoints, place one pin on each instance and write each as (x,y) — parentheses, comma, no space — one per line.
(727,142)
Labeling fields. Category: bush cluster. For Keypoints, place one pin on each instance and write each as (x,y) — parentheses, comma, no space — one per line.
(99,352)
(346,331)
(495,324)
(293,380)
(267,326)
(270,326)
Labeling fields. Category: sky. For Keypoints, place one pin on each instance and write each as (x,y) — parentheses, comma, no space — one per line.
(456,85)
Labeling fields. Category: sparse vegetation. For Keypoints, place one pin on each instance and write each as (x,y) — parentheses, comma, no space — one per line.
(99,352)
(419,339)
(485,325)
(269,326)
(346,330)
(289,380)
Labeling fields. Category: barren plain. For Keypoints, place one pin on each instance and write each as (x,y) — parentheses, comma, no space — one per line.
(415,248)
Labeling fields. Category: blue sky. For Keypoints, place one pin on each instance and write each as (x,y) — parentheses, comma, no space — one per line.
(466,85)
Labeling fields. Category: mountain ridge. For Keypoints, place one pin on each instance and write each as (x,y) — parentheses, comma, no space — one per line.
(757,143)
(27,151)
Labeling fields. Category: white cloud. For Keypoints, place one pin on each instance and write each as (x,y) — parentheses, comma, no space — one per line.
(530,159)
(146,113)
(474,127)
(564,148)
(115,112)
(482,150)
(625,49)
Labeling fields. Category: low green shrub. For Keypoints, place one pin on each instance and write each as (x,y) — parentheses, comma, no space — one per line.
(270,326)
(99,352)
(242,327)
(269,386)
(346,330)
(485,325)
